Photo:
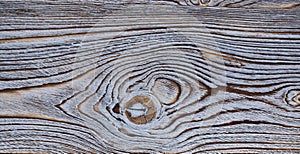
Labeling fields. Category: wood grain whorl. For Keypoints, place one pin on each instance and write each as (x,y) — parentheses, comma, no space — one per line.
(151,77)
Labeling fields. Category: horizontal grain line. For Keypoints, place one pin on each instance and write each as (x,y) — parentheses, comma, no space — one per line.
(252,148)
(74,148)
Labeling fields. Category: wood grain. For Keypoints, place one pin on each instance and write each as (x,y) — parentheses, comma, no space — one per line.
(150,76)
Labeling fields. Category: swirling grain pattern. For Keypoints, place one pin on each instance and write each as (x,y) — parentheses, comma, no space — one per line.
(286,4)
(149,77)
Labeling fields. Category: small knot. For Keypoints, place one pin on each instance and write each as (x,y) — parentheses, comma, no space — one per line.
(166,91)
(140,109)
(293,98)
(204,1)
(200,2)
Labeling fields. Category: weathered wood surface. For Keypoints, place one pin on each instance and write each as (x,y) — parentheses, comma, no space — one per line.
(150,76)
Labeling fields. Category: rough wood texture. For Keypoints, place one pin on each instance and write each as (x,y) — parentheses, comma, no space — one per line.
(150,76)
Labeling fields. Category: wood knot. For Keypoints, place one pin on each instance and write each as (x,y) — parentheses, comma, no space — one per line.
(293,98)
(204,1)
(166,91)
(199,2)
(140,109)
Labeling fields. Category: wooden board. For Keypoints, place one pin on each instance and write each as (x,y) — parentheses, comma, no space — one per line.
(169,76)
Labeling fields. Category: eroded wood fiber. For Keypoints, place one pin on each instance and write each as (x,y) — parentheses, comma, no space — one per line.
(150,76)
